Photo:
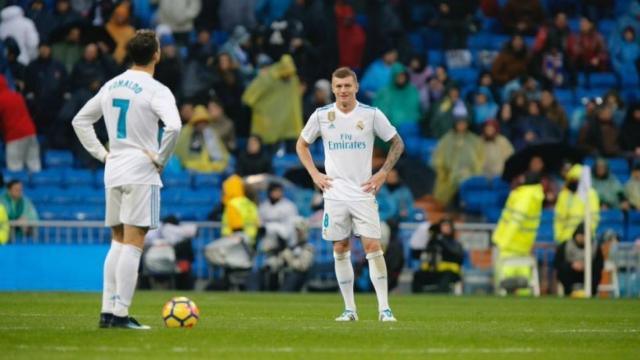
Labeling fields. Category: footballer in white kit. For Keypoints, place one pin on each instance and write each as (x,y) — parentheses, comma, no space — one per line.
(348,130)
(143,125)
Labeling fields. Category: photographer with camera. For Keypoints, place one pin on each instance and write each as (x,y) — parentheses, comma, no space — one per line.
(440,261)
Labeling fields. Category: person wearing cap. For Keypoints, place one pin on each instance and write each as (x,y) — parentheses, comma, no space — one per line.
(276,102)
(199,147)
(458,156)
(569,264)
(570,207)
(516,231)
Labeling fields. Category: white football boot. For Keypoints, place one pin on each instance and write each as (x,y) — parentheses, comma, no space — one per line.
(348,315)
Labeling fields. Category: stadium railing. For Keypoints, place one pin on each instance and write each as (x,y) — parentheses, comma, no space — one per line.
(475,238)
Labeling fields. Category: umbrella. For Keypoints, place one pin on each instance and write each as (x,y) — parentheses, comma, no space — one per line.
(553,155)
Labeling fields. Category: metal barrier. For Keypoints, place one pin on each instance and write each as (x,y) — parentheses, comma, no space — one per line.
(475,238)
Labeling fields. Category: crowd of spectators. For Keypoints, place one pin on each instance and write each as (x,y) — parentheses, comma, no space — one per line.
(248,74)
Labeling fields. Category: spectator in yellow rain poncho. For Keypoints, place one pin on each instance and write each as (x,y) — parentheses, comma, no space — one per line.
(276,102)
(570,208)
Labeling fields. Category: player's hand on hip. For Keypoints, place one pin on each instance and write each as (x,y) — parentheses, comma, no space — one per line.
(374,183)
(322,181)
(154,159)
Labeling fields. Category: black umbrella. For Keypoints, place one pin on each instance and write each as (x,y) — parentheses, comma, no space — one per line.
(554,155)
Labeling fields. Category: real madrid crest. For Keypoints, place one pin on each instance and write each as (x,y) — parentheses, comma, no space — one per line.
(360,125)
(331,115)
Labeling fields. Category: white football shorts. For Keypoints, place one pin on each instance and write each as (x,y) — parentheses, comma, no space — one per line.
(342,218)
(137,205)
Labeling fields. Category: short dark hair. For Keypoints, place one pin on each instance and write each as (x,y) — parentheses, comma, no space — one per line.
(12,183)
(344,72)
(142,47)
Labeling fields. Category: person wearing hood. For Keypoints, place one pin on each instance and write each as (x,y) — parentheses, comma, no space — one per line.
(632,187)
(624,57)
(276,102)
(18,131)
(199,147)
(318,97)
(179,15)
(442,114)
(630,131)
(516,231)
(458,156)
(419,75)
(399,100)
(401,195)
(45,85)
(239,48)
(512,62)
(378,74)
(569,263)
(608,187)
(221,123)
(14,24)
(240,214)
(600,136)
(484,107)
(120,29)
(255,159)
(570,207)
(497,149)
(351,37)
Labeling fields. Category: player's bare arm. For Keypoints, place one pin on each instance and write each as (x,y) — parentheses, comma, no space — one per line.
(377,180)
(321,180)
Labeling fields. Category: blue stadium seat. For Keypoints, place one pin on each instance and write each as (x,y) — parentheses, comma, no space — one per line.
(39,195)
(55,212)
(99,179)
(475,201)
(427,147)
(408,129)
(435,57)
(417,42)
(464,75)
(492,214)
(564,96)
(547,215)
(90,212)
(207,181)
(617,227)
(634,217)
(606,26)
(90,195)
(302,198)
(48,177)
(475,183)
(598,80)
(23,176)
(78,177)
(60,196)
(611,216)
(283,163)
(618,166)
(633,233)
(412,145)
(58,158)
(179,180)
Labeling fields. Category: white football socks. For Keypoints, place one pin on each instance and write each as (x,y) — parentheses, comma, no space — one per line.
(109,277)
(378,274)
(344,274)
(126,278)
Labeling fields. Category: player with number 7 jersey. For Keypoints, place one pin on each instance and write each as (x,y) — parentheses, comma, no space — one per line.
(143,125)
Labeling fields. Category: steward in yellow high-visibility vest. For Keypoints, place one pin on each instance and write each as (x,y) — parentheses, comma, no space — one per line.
(240,213)
(570,208)
(516,231)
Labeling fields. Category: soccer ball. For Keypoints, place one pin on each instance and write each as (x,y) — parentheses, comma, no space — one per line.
(180,312)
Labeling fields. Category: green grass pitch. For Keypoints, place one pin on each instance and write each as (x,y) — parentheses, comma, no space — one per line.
(273,326)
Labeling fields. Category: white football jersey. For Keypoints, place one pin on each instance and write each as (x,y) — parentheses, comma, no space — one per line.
(348,146)
(132,104)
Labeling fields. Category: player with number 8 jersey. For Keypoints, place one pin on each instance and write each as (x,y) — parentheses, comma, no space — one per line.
(143,125)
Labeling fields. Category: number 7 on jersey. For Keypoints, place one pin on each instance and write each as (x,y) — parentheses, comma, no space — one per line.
(123,105)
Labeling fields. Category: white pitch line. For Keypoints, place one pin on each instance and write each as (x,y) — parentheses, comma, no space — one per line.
(105,349)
